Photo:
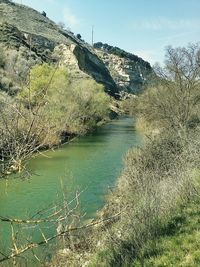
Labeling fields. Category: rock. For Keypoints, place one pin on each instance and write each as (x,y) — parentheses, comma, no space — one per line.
(128,71)
(64,252)
(21,26)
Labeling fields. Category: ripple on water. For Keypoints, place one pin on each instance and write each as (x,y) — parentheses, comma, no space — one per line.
(92,162)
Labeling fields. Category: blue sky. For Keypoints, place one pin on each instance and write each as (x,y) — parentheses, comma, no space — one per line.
(142,27)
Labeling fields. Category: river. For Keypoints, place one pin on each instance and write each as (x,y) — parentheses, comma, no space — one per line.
(90,163)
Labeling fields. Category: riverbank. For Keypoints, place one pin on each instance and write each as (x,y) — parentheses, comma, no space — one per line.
(90,163)
(178,244)
(54,107)
(157,182)
(65,139)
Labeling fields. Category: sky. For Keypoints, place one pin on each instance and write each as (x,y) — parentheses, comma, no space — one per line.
(142,27)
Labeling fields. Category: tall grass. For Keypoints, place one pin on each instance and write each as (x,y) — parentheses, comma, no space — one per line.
(156,181)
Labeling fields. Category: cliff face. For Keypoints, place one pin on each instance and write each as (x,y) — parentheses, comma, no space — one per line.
(85,63)
(35,38)
(129,72)
(23,27)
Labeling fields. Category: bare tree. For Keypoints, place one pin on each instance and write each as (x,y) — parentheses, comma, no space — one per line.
(24,129)
(174,99)
(64,217)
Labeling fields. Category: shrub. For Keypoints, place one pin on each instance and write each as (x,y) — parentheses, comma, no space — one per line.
(2,58)
(158,178)
(174,100)
(156,181)
(44,14)
(51,107)
(71,106)
(78,36)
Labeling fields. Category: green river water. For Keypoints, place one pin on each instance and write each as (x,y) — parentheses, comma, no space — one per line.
(91,163)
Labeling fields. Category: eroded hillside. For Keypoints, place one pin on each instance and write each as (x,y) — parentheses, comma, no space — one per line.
(30,37)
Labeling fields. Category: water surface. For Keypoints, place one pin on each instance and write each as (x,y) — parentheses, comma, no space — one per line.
(91,163)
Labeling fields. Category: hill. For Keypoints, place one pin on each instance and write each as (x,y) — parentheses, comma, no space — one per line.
(23,28)
(33,38)
(130,72)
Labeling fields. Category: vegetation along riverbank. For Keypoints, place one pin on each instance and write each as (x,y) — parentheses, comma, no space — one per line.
(55,86)
(52,108)
(159,182)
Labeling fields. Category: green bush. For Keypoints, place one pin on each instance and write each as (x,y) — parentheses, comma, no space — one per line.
(50,108)
(71,106)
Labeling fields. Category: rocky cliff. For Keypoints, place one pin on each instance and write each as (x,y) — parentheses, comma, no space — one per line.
(33,38)
(23,27)
(130,72)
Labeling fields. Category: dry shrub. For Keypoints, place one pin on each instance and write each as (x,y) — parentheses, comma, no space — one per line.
(156,181)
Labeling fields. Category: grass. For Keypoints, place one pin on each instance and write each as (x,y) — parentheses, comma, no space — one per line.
(179,244)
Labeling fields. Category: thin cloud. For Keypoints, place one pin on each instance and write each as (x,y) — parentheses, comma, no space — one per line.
(164,23)
(70,18)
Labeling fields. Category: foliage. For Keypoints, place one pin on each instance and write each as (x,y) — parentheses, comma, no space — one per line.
(2,58)
(23,132)
(52,107)
(174,100)
(178,243)
(78,36)
(44,14)
(16,68)
(70,106)
(44,80)
(86,104)
(158,179)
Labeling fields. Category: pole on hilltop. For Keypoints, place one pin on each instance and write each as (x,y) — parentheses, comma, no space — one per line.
(92,35)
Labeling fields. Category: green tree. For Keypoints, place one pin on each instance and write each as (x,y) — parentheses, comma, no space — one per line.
(87,104)
(71,106)
(44,80)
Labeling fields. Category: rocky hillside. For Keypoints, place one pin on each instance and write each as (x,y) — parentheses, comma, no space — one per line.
(29,38)
(129,71)
(23,29)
